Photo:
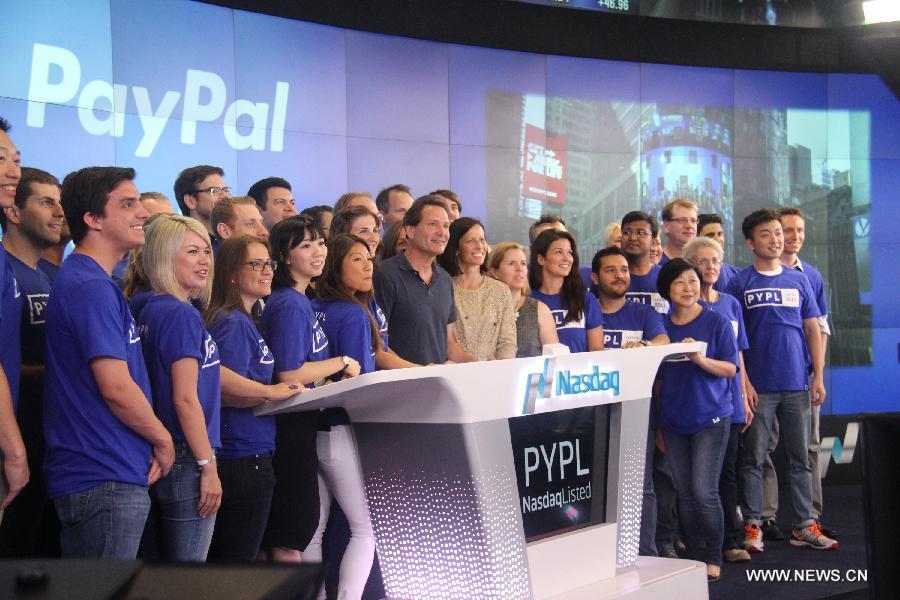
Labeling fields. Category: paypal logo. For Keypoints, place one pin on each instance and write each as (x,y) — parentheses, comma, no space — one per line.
(789,297)
(551,382)
(56,79)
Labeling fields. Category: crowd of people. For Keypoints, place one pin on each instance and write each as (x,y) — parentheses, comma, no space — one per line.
(131,369)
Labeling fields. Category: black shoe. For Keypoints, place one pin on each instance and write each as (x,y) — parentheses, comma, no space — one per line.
(828,531)
(668,552)
(771,533)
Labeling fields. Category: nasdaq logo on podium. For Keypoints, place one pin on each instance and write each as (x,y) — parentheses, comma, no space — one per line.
(553,383)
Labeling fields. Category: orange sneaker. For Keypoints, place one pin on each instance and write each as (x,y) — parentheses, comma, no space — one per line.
(753,538)
(811,536)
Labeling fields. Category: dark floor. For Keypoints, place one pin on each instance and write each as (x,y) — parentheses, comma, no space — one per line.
(843,512)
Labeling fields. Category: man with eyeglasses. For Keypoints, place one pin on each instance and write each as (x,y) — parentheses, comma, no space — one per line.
(680,226)
(274,199)
(197,190)
(638,231)
(710,225)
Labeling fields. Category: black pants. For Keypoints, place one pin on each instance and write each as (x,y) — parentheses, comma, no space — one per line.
(247,487)
(294,515)
(728,489)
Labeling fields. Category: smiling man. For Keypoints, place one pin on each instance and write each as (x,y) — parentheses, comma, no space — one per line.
(197,190)
(238,216)
(32,225)
(274,199)
(416,294)
(15,464)
(104,444)
(680,226)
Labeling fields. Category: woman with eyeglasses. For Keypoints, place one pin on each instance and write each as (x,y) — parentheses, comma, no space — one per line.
(554,280)
(485,323)
(243,276)
(301,352)
(706,254)
(344,296)
(508,264)
(695,409)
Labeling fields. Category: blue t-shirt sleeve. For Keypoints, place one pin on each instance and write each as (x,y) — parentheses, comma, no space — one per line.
(290,337)
(808,305)
(353,334)
(234,345)
(725,343)
(653,324)
(99,326)
(742,342)
(593,317)
(181,335)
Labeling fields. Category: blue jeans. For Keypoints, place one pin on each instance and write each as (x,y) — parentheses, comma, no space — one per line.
(181,533)
(647,544)
(792,410)
(696,462)
(105,521)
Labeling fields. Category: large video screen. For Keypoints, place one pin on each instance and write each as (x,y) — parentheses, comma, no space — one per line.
(163,86)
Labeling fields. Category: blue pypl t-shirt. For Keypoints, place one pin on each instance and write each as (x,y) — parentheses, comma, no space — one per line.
(380,320)
(172,330)
(574,333)
(818,285)
(691,398)
(726,273)
(631,323)
(88,318)
(642,290)
(34,286)
(728,306)
(48,269)
(290,327)
(349,334)
(243,350)
(10,319)
(138,302)
(774,307)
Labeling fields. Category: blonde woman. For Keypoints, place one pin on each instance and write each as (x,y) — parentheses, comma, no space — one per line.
(508,264)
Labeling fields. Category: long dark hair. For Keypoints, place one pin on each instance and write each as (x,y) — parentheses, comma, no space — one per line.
(284,237)
(572,292)
(230,258)
(449,260)
(331,287)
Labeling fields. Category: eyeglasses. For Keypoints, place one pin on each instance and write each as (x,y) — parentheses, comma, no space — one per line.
(260,265)
(640,233)
(705,262)
(215,191)
(684,220)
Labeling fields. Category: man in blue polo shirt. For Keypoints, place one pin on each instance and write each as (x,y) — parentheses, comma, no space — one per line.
(30,226)
(781,316)
(638,231)
(15,463)
(416,294)
(104,444)
(793,224)
(630,325)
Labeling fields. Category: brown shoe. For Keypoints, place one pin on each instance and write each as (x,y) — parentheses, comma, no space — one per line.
(737,555)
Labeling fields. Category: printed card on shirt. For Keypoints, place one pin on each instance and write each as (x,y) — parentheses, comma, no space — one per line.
(651,299)
(788,297)
(613,338)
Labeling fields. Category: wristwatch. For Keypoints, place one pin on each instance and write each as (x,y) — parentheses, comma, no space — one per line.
(645,343)
(346,360)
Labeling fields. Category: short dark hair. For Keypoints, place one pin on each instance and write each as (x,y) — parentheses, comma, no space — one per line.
(671,271)
(706,219)
(604,252)
(449,195)
(788,211)
(316,213)
(757,217)
(4,125)
(572,292)
(413,216)
(258,190)
(639,215)
(86,192)
(449,260)
(284,237)
(189,179)
(23,188)
(383,199)
(389,240)
(544,219)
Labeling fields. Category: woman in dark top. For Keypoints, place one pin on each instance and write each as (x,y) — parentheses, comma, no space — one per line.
(507,263)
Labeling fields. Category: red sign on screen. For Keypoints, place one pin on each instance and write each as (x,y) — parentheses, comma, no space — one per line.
(544,166)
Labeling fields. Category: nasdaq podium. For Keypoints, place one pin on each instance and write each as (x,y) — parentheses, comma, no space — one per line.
(510,479)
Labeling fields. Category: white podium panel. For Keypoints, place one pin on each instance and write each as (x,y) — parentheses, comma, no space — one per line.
(506,479)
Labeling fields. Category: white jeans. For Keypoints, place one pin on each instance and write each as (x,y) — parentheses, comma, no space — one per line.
(340,477)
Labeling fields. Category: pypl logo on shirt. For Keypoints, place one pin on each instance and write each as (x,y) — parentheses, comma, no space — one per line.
(788,297)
